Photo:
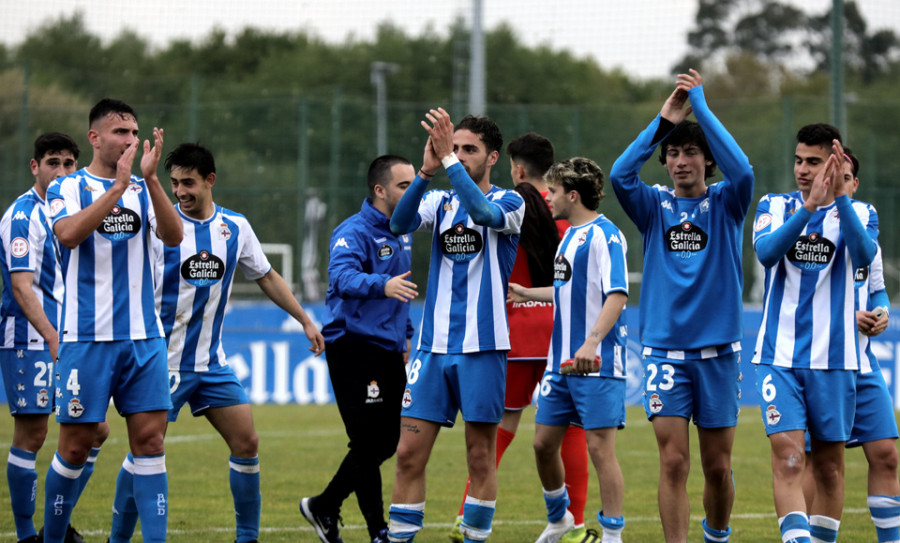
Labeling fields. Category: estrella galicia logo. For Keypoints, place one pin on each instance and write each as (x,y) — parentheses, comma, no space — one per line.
(385,251)
(119,224)
(460,243)
(861,275)
(562,271)
(203,269)
(686,238)
(811,252)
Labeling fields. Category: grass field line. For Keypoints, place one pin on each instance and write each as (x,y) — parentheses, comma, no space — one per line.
(441,525)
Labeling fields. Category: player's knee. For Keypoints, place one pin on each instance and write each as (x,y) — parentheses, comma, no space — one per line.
(884,458)
(101,434)
(147,444)
(409,460)
(245,447)
(544,449)
(674,465)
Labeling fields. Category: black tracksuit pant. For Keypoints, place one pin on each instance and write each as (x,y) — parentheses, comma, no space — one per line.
(368,383)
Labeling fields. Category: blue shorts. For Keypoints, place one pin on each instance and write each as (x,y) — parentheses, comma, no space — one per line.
(28,381)
(134,373)
(707,390)
(440,385)
(203,390)
(591,402)
(874,418)
(821,401)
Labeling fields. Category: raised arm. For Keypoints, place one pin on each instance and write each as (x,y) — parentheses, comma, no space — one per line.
(440,132)
(730,158)
(73,229)
(168,224)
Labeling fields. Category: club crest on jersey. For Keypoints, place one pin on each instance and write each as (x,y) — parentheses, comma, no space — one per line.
(582,238)
(762,221)
(75,408)
(43,398)
(203,269)
(135,188)
(224,232)
(460,243)
(772,415)
(562,271)
(704,206)
(56,206)
(407,398)
(655,403)
(811,252)
(120,224)
(373,393)
(385,251)
(686,238)
(18,247)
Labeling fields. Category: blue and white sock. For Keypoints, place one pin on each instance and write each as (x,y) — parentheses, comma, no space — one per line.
(556,501)
(711,535)
(794,527)
(60,491)
(151,494)
(404,521)
(885,511)
(87,471)
(22,479)
(244,480)
(125,513)
(823,529)
(477,518)
(612,528)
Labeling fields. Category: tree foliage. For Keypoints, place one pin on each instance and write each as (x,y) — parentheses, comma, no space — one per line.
(784,36)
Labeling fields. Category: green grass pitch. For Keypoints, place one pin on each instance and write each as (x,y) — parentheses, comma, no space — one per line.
(301,446)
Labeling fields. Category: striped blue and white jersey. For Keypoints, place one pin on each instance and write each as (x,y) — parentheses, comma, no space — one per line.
(590,264)
(194,282)
(27,245)
(868,281)
(809,311)
(468,276)
(108,276)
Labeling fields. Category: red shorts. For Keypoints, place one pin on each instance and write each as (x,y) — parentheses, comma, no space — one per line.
(522,376)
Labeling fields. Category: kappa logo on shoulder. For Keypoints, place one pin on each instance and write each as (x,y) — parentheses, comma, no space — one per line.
(667,205)
(20,216)
(341,242)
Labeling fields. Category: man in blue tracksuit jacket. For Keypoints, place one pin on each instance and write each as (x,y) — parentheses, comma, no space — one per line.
(367,332)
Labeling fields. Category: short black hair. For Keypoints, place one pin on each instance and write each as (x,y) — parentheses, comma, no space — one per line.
(380,170)
(485,128)
(818,134)
(685,133)
(579,174)
(191,156)
(532,151)
(54,143)
(108,105)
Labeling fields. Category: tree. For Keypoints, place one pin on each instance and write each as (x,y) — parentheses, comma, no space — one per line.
(780,34)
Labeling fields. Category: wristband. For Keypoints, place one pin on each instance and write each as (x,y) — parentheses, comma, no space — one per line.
(425,174)
(449,160)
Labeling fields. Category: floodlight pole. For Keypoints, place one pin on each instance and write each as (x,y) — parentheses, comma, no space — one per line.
(837,66)
(477,85)
(378,73)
